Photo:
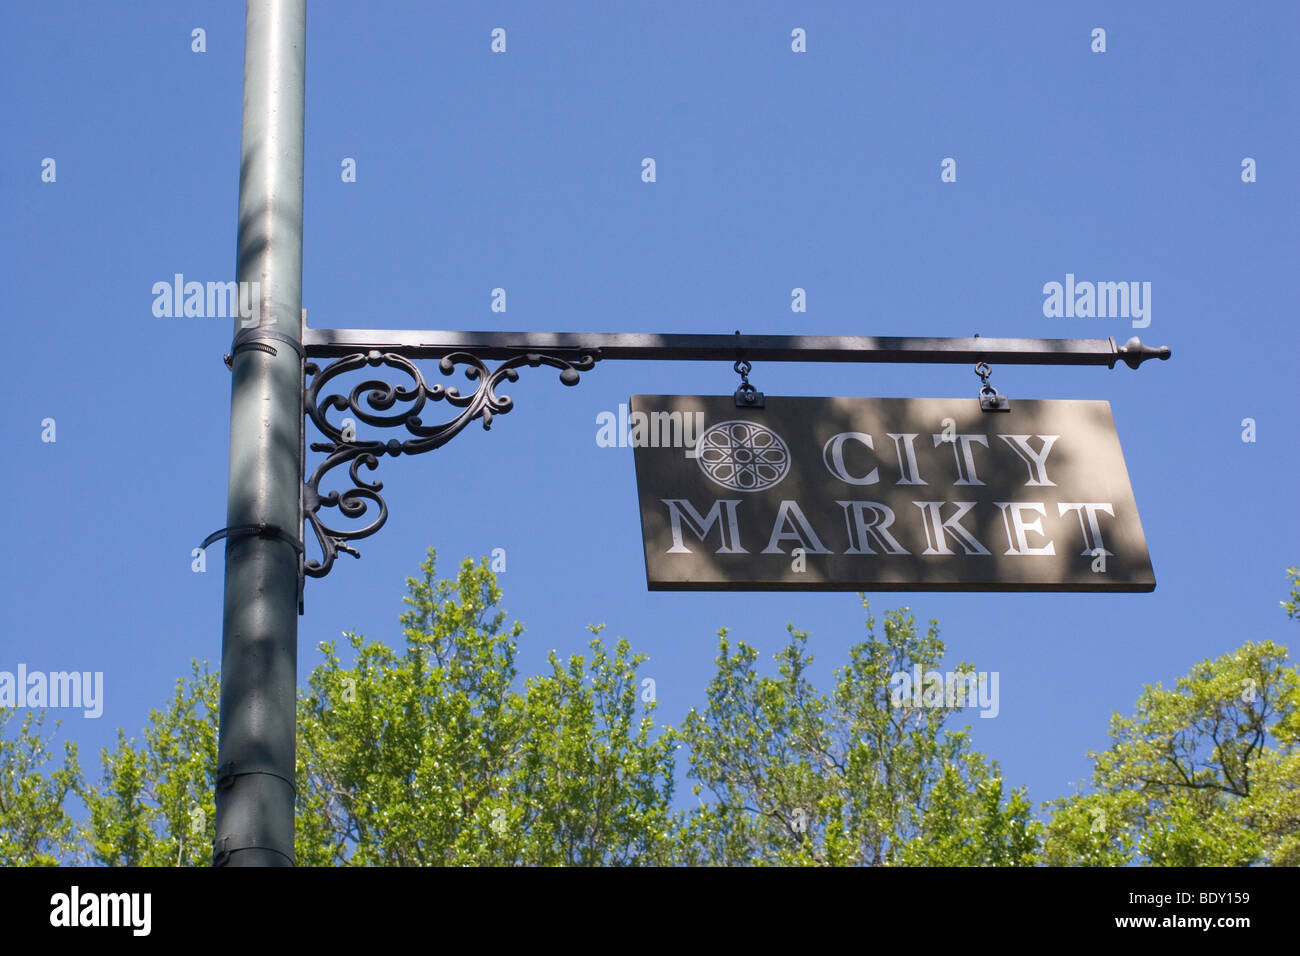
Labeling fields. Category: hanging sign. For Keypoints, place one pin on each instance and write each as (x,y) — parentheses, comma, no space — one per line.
(884,494)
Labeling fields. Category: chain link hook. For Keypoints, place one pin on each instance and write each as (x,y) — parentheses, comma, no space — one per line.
(991,400)
(747,396)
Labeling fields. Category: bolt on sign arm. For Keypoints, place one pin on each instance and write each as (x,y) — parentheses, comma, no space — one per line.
(372,401)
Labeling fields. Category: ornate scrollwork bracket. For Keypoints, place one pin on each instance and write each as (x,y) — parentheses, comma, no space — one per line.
(371,402)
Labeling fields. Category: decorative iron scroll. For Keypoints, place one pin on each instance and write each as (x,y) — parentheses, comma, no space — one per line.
(370,403)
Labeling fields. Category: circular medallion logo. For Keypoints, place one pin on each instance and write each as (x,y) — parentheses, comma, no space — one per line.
(743,456)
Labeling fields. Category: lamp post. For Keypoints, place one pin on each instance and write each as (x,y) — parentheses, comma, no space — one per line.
(259,641)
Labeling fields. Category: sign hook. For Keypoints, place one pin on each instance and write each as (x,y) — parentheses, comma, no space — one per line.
(746,396)
(991,400)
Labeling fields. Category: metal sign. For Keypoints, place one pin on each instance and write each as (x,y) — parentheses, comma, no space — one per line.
(884,494)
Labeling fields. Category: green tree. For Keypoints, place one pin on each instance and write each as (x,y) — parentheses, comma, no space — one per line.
(438,755)
(154,804)
(35,828)
(433,757)
(797,777)
(1292,607)
(1204,774)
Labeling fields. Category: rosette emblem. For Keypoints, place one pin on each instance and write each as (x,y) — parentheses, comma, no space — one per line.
(743,456)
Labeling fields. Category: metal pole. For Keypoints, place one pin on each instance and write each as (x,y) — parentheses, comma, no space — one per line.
(259,644)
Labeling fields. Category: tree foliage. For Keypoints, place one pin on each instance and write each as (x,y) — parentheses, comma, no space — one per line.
(35,828)
(1292,607)
(1206,773)
(850,778)
(438,754)
(155,805)
(433,757)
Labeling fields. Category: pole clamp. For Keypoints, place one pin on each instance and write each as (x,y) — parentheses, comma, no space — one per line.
(254,339)
(228,772)
(261,530)
(221,855)
(264,530)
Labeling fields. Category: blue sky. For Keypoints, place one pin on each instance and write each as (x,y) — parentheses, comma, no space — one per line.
(775,170)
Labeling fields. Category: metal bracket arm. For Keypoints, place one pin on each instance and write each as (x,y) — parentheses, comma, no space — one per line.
(644,346)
